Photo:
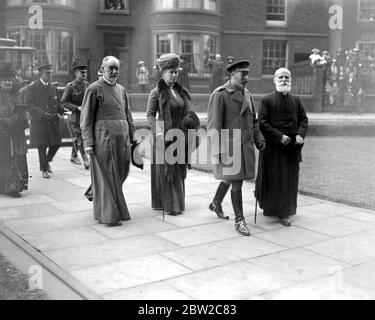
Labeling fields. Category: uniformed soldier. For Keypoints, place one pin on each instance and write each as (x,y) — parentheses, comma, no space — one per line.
(72,100)
(231,109)
(44,108)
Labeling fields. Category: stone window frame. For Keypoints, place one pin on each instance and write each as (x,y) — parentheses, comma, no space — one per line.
(276,4)
(175,46)
(175,5)
(14,3)
(361,9)
(126,9)
(270,73)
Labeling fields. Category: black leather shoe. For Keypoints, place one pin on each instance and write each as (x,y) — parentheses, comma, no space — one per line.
(173,213)
(218,210)
(242,228)
(285,222)
(14,194)
(115,224)
(46,175)
(49,169)
(75,161)
(86,164)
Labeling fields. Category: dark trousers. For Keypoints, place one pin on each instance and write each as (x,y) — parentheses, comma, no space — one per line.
(77,141)
(45,157)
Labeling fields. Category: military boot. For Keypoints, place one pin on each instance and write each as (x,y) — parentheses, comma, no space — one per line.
(240,224)
(215,205)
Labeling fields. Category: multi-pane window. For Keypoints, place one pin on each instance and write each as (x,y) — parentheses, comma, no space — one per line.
(116,5)
(186,4)
(191,4)
(276,10)
(36,1)
(367,48)
(197,48)
(164,4)
(274,56)
(163,44)
(366,10)
(69,3)
(210,5)
(14,2)
(39,39)
(65,50)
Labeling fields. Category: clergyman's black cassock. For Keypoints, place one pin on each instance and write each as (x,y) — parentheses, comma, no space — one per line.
(278,170)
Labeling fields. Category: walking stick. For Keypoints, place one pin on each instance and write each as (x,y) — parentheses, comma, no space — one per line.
(70,130)
(256,210)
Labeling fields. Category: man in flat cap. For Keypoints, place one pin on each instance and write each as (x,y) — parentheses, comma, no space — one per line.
(232,130)
(283,122)
(44,108)
(72,100)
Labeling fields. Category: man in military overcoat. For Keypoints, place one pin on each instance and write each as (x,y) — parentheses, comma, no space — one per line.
(72,100)
(44,108)
(233,129)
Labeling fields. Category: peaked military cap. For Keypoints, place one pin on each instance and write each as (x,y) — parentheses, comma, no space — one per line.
(79,67)
(45,68)
(240,65)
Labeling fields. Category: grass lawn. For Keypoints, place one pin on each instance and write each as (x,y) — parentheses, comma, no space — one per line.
(339,168)
(14,285)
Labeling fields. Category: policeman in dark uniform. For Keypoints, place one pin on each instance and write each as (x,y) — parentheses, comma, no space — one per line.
(72,100)
(44,108)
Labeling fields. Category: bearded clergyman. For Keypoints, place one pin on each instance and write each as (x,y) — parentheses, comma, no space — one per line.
(283,123)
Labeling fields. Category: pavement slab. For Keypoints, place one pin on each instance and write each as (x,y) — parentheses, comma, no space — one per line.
(130,273)
(69,237)
(324,288)
(298,265)
(27,212)
(50,223)
(336,226)
(328,253)
(292,237)
(32,198)
(362,275)
(191,236)
(153,291)
(235,281)
(129,229)
(354,249)
(222,252)
(94,254)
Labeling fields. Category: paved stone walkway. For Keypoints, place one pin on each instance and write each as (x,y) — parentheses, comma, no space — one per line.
(328,253)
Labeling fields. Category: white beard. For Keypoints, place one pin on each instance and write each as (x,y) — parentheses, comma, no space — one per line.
(283,88)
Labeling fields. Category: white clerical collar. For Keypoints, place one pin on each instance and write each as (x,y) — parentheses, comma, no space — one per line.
(44,83)
(109,82)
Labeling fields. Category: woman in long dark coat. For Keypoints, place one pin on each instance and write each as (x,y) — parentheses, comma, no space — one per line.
(13,122)
(171,102)
(107,132)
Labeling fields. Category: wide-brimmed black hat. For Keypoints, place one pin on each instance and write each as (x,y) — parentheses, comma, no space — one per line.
(79,67)
(45,68)
(240,65)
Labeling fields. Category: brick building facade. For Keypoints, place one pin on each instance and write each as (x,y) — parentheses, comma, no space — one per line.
(269,33)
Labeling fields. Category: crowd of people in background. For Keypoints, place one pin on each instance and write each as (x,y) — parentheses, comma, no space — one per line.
(348,75)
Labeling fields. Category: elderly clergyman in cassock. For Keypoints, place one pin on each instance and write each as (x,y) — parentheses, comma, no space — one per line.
(107,132)
(283,123)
